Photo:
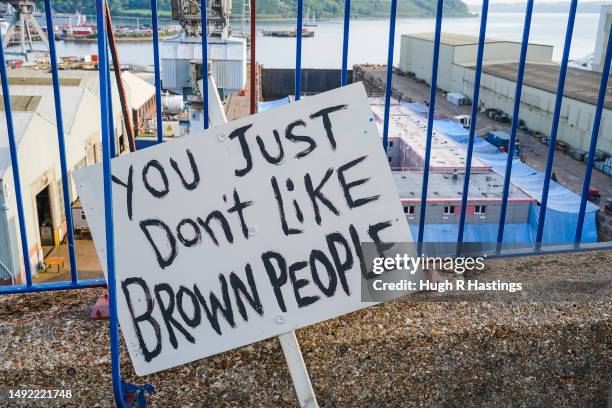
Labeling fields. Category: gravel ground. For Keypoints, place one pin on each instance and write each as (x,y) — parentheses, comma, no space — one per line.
(423,350)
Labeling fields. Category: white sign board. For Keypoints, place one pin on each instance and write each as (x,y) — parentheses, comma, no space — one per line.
(247,230)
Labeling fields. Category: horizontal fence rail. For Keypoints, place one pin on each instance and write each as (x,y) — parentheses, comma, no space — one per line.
(107,126)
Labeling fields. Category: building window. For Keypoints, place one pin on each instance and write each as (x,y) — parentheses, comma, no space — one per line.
(480,209)
(390,159)
(391,143)
(83,216)
(409,209)
(449,209)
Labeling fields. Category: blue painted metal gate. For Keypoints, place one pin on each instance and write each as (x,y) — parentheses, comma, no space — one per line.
(119,387)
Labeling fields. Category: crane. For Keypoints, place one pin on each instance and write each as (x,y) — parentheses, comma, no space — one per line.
(23,23)
(187,12)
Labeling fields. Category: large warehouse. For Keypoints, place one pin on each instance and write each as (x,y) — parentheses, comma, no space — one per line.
(456,74)
(407,122)
(37,143)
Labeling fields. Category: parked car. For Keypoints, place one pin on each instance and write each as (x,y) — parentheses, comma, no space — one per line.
(498,115)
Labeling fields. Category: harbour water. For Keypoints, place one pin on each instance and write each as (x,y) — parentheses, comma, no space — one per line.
(368,39)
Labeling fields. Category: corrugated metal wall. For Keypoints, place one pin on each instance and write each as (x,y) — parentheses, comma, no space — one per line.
(8,239)
(228,74)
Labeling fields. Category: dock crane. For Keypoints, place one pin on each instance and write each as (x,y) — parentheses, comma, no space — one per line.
(187,12)
(24,25)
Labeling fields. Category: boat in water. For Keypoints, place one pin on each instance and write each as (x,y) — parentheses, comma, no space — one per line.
(288,33)
(310,22)
(82,29)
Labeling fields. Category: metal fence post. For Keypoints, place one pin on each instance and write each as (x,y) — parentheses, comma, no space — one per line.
(108,208)
(156,61)
(15,165)
(474,113)
(345,42)
(61,142)
(515,118)
(555,124)
(603,85)
(389,84)
(430,119)
(298,50)
(204,23)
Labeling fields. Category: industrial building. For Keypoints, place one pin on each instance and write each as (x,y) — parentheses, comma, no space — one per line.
(406,152)
(444,198)
(37,148)
(457,70)
(458,51)
(141,96)
(406,147)
(601,42)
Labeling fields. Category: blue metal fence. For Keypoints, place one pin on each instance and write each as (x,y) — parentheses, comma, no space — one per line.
(109,149)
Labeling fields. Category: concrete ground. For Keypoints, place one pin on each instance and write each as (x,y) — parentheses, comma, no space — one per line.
(238,105)
(88,264)
(569,172)
(414,352)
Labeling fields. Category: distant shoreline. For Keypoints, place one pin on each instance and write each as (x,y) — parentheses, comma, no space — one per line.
(340,19)
(268,17)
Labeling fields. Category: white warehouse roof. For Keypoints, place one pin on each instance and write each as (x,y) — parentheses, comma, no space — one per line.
(21,121)
(138,90)
(454,39)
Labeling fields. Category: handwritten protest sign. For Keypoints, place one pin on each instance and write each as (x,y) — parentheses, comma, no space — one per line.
(246,231)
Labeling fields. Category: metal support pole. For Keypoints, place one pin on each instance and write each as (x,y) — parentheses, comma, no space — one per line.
(515,119)
(603,86)
(298,50)
(61,144)
(108,208)
(474,113)
(22,30)
(158,102)
(297,370)
(345,42)
(389,89)
(125,109)
(15,166)
(430,119)
(111,116)
(253,63)
(555,124)
(205,101)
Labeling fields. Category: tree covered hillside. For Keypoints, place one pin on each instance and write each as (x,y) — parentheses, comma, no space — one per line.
(359,8)
(281,8)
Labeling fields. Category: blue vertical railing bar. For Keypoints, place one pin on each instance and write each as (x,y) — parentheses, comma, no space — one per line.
(15,165)
(108,207)
(474,113)
(603,86)
(204,23)
(345,42)
(430,119)
(389,87)
(515,119)
(156,61)
(555,124)
(298,50)
(61,142)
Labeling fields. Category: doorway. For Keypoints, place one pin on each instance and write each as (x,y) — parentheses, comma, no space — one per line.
(45,218)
